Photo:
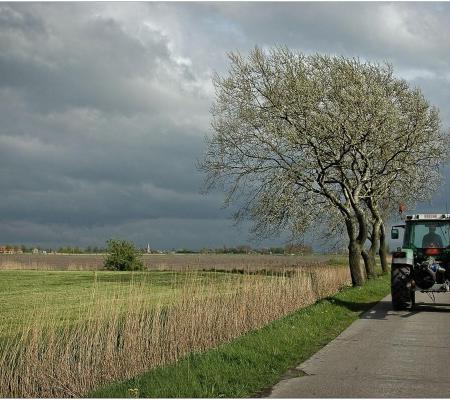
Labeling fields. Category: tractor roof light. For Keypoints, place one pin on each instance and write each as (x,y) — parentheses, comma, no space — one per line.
(432,251)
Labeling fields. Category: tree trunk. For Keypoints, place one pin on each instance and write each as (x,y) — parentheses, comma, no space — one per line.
(369,255)
(354,260)
(361,240)
(378,237)
(383,252)
(357,234)
(369,263)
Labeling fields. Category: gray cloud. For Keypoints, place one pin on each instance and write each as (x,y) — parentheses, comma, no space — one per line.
(104,106)
(162,233)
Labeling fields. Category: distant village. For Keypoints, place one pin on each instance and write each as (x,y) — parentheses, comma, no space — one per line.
(23,249)
(10,250)
(13,249)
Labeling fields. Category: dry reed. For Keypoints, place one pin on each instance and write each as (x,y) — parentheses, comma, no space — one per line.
(116,340)
(178,262)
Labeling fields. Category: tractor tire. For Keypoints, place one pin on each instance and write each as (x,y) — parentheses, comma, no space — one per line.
(402,295)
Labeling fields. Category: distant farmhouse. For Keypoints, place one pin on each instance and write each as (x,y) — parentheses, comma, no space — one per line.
(10,250)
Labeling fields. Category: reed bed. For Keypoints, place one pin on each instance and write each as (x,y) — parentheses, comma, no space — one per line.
(175,262)
(116,339)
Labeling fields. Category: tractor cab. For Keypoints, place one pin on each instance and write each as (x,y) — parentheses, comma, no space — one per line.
(426,235)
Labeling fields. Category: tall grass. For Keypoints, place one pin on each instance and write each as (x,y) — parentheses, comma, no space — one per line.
(112,340)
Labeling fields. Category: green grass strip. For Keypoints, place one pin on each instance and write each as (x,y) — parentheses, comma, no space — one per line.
(257,360)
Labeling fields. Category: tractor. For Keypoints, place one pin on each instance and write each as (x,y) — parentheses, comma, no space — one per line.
(423,262)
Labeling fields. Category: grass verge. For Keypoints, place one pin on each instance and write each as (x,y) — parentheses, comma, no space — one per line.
(257,360)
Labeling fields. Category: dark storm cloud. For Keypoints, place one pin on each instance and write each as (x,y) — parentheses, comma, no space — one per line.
(99,126)
(99,66)
(104,106)
(161,233)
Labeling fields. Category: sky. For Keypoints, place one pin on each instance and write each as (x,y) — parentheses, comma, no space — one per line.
(104,107)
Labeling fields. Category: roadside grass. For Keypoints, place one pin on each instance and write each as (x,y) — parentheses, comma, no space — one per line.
(252,363)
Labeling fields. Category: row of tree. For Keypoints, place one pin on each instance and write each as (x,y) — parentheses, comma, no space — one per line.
(79,250)
(302,141)
(290,248)
(63,249)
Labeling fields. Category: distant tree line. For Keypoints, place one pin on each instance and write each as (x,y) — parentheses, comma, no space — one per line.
(78,250)
(62,249)
(290,248)
(245,249)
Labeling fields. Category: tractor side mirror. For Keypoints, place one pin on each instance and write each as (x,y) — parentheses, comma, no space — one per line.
(394,233)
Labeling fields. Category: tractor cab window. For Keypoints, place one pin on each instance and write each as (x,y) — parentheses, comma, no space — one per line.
(424,234)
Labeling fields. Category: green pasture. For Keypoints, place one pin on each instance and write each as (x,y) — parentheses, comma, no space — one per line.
(26,295)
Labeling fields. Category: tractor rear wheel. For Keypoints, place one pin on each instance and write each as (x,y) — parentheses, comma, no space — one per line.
(401,292)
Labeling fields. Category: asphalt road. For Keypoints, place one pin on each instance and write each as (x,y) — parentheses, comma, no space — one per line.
(385,353)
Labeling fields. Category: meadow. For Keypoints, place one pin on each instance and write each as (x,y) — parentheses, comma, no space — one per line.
(65,333)
(68,295)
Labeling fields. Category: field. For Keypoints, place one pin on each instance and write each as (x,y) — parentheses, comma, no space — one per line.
(179,262)
(67,295)
(64,333)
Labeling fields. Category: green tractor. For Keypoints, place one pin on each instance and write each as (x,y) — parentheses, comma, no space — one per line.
(423,263)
